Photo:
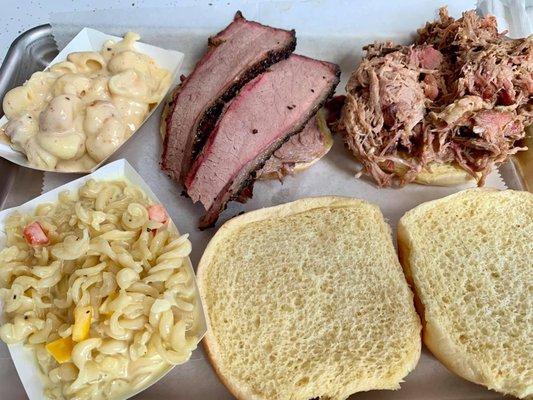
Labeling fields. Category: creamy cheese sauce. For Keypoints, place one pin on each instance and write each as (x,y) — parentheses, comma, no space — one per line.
(79,111)
(98,285)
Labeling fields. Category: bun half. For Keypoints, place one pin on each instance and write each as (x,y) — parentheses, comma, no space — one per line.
(469,257)
(308,300)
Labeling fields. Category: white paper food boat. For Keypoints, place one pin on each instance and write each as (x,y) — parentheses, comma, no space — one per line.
(24,359)
(92,40)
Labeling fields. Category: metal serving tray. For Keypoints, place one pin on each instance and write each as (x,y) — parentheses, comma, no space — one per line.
(32,51)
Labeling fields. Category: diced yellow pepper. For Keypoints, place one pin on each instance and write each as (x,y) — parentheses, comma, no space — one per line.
(82,323)
(61,349)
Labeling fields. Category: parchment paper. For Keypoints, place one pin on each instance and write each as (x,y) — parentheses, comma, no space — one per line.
(331,30)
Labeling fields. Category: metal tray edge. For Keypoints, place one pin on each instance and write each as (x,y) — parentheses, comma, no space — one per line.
(10,76)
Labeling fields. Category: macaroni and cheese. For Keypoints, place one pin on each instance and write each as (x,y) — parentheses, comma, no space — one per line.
(79,111)
(99,286)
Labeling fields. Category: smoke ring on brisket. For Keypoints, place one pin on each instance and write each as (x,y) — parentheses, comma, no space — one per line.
(235,56)
(265,114)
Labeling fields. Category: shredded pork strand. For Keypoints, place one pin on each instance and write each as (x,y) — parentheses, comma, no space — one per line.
(461,94)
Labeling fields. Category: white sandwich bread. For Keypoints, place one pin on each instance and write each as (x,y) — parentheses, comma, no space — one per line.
(469,257)
(308,300)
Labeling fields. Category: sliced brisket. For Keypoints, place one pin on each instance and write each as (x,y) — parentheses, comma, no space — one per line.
(265,113)
(235,56)
(306,146)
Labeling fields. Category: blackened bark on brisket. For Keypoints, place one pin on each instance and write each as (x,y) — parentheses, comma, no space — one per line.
(234,153)
(210,117)
(185,137)
(211,216)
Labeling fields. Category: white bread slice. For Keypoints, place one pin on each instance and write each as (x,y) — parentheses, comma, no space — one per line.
(470,259)
(308,300)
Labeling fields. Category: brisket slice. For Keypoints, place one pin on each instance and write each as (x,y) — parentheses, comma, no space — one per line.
(235,55)
(266,113)
(304,147)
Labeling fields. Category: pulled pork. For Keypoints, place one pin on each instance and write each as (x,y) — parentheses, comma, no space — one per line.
(461,94)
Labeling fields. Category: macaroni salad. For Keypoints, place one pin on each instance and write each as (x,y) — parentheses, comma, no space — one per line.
(100,287)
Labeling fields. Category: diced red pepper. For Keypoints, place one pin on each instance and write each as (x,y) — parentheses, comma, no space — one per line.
(35,234)
(157,213)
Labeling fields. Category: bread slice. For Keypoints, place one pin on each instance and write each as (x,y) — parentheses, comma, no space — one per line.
(470,259)
(308,300)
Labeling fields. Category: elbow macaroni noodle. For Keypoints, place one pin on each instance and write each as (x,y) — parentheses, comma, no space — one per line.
(79,111)
(104,252)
